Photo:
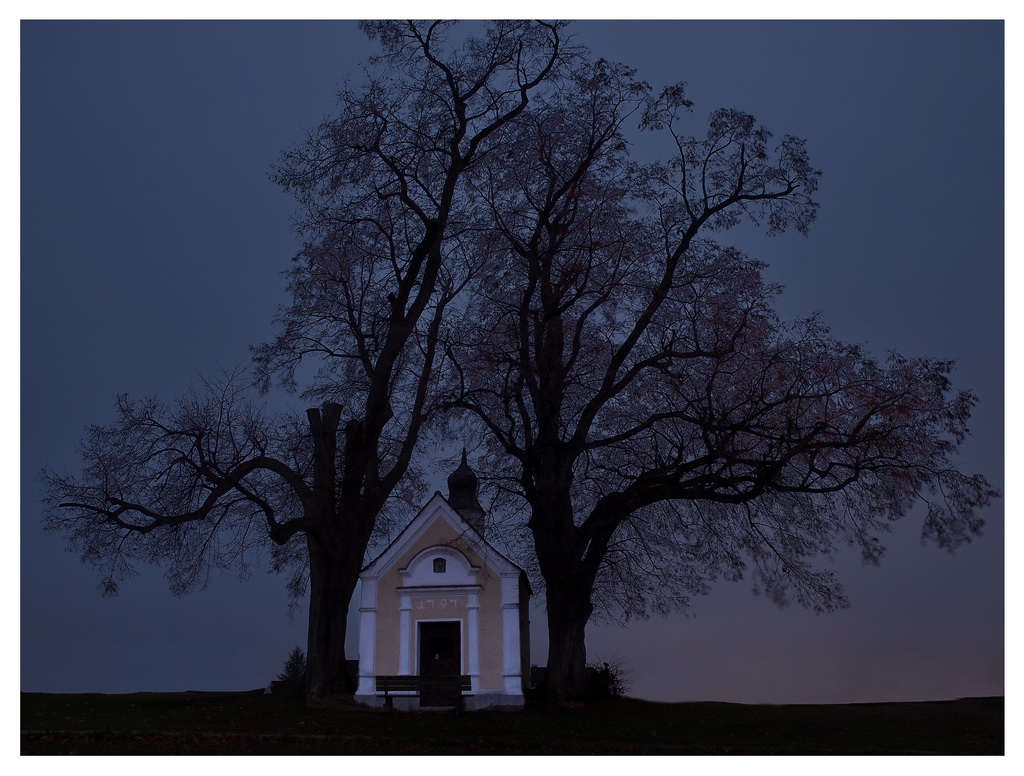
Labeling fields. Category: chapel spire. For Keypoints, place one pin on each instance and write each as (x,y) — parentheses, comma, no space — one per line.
(462,485)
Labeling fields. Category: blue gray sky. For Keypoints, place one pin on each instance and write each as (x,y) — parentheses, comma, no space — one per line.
(152,250)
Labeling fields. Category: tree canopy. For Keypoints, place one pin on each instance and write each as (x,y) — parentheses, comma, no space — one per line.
(661,424)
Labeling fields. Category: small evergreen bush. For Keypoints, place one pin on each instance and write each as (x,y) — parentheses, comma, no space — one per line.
(292,680)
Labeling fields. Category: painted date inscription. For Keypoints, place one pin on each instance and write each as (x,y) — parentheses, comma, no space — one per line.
(455,603)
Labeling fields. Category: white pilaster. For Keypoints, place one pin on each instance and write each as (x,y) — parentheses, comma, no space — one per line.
(405,636)
(473,616)
(367,636)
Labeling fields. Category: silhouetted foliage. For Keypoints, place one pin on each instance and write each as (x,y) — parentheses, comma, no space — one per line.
(606,679)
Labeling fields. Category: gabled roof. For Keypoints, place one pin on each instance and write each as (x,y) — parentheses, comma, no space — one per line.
(439,508)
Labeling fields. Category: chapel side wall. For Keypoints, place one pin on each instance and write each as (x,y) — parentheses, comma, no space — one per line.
(524,631)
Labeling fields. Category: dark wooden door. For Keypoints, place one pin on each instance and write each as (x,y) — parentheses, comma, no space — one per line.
(440,656)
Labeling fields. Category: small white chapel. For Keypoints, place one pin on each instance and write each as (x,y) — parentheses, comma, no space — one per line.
(444,616)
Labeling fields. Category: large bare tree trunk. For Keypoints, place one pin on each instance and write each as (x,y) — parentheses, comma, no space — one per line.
(331,583)
(569,582)
(335,557)
(566,676)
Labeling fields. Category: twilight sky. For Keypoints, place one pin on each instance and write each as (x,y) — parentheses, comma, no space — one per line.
(152,247)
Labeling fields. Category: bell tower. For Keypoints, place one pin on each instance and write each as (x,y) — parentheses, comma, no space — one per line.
(462,485)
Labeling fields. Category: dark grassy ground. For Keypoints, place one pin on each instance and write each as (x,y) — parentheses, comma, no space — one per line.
(252,723)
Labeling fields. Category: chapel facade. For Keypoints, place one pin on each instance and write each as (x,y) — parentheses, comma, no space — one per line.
(442,611)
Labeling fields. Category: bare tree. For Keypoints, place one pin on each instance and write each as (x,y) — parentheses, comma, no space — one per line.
(641,396)
(389,221)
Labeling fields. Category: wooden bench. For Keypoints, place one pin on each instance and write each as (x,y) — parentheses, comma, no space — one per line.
(444,690)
